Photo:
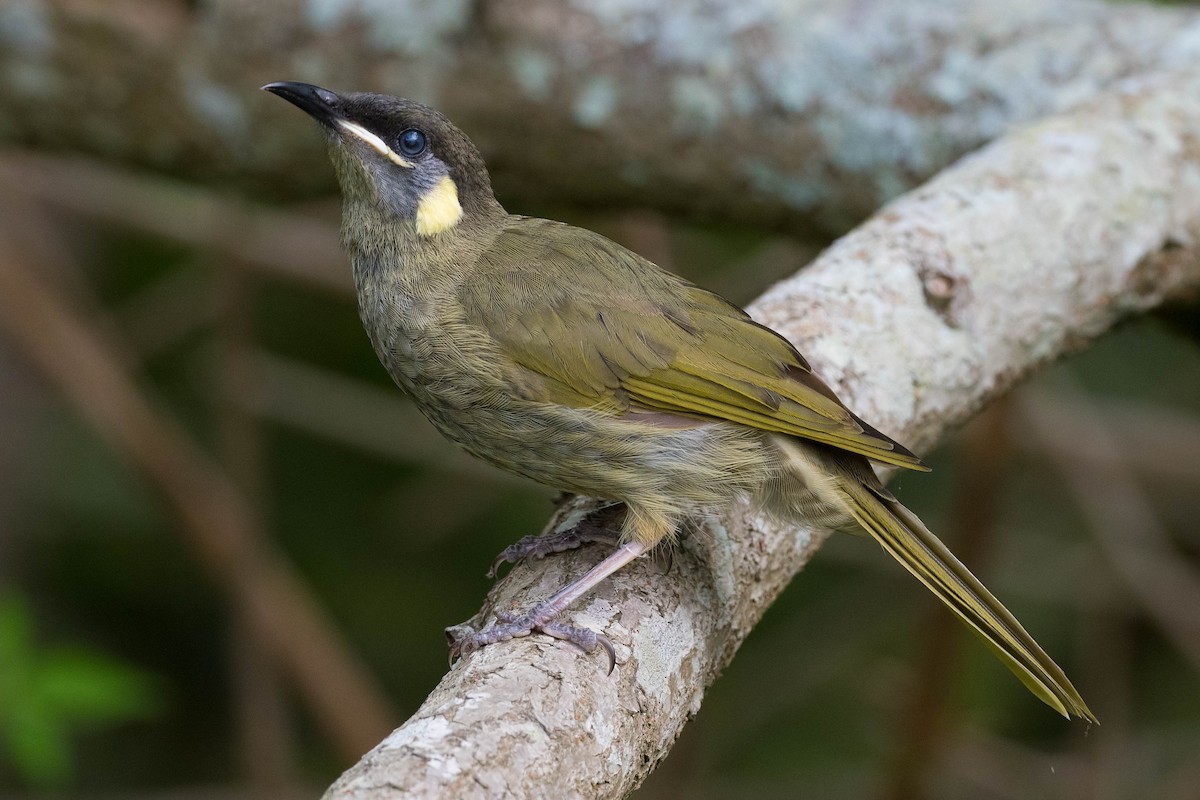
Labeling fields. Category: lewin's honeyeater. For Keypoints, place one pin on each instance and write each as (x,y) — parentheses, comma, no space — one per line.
(552,352)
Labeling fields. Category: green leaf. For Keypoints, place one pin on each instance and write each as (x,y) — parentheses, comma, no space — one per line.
(83,686)
(16,650)
(39,747)
(16,626)
(44,695)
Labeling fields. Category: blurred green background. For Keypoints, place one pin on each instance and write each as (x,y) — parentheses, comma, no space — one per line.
(220,371)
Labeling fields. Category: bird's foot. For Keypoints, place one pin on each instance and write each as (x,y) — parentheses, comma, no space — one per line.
(465,640)
(543,618)
(596,528)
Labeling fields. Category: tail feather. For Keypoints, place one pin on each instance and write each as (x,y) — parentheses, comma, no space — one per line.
(906,538)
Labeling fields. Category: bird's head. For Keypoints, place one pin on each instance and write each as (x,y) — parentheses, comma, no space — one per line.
(404,158)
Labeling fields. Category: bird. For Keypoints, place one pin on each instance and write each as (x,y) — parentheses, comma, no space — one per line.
(552,352)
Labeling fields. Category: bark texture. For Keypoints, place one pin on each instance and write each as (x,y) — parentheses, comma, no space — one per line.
(1023,252)
(769,111)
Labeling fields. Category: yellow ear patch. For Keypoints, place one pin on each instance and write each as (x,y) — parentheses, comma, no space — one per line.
(439,209)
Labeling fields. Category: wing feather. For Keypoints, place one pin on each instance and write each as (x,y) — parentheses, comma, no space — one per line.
(650,339)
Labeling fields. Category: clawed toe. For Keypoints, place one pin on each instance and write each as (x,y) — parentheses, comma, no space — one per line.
(585,639)
(543,617)
(597,528)
(465,640)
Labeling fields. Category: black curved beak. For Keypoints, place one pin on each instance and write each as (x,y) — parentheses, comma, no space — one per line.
(321,104)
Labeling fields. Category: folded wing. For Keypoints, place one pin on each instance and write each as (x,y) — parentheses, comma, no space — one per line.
(633,336)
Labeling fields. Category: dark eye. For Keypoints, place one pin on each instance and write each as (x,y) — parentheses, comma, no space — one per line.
(412,142)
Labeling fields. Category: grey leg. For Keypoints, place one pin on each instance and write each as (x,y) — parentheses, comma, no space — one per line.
(543,617)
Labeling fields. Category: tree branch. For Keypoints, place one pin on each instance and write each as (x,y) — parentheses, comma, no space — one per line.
(773,111)
(1019,254)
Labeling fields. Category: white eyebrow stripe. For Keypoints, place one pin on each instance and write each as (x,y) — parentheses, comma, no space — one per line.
(374,141)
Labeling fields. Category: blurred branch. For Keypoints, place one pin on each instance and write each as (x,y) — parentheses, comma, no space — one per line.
(819,110)
(1121,516)
(1004,769)
(1106,646)
(278,242)
(1160,442)
(259,702)
(168,310)
(353,413)
(1180,784)
(1011,259)
(984,449)
(77,357)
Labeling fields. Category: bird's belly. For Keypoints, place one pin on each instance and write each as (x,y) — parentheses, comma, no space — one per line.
(463,386)
(606,455)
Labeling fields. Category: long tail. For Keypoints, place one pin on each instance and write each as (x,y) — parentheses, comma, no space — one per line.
(903,535)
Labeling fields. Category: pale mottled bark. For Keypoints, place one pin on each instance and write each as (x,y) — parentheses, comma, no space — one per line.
(1020,253)
(771,111)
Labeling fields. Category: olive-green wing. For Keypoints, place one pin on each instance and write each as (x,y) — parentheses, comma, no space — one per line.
(629,335)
